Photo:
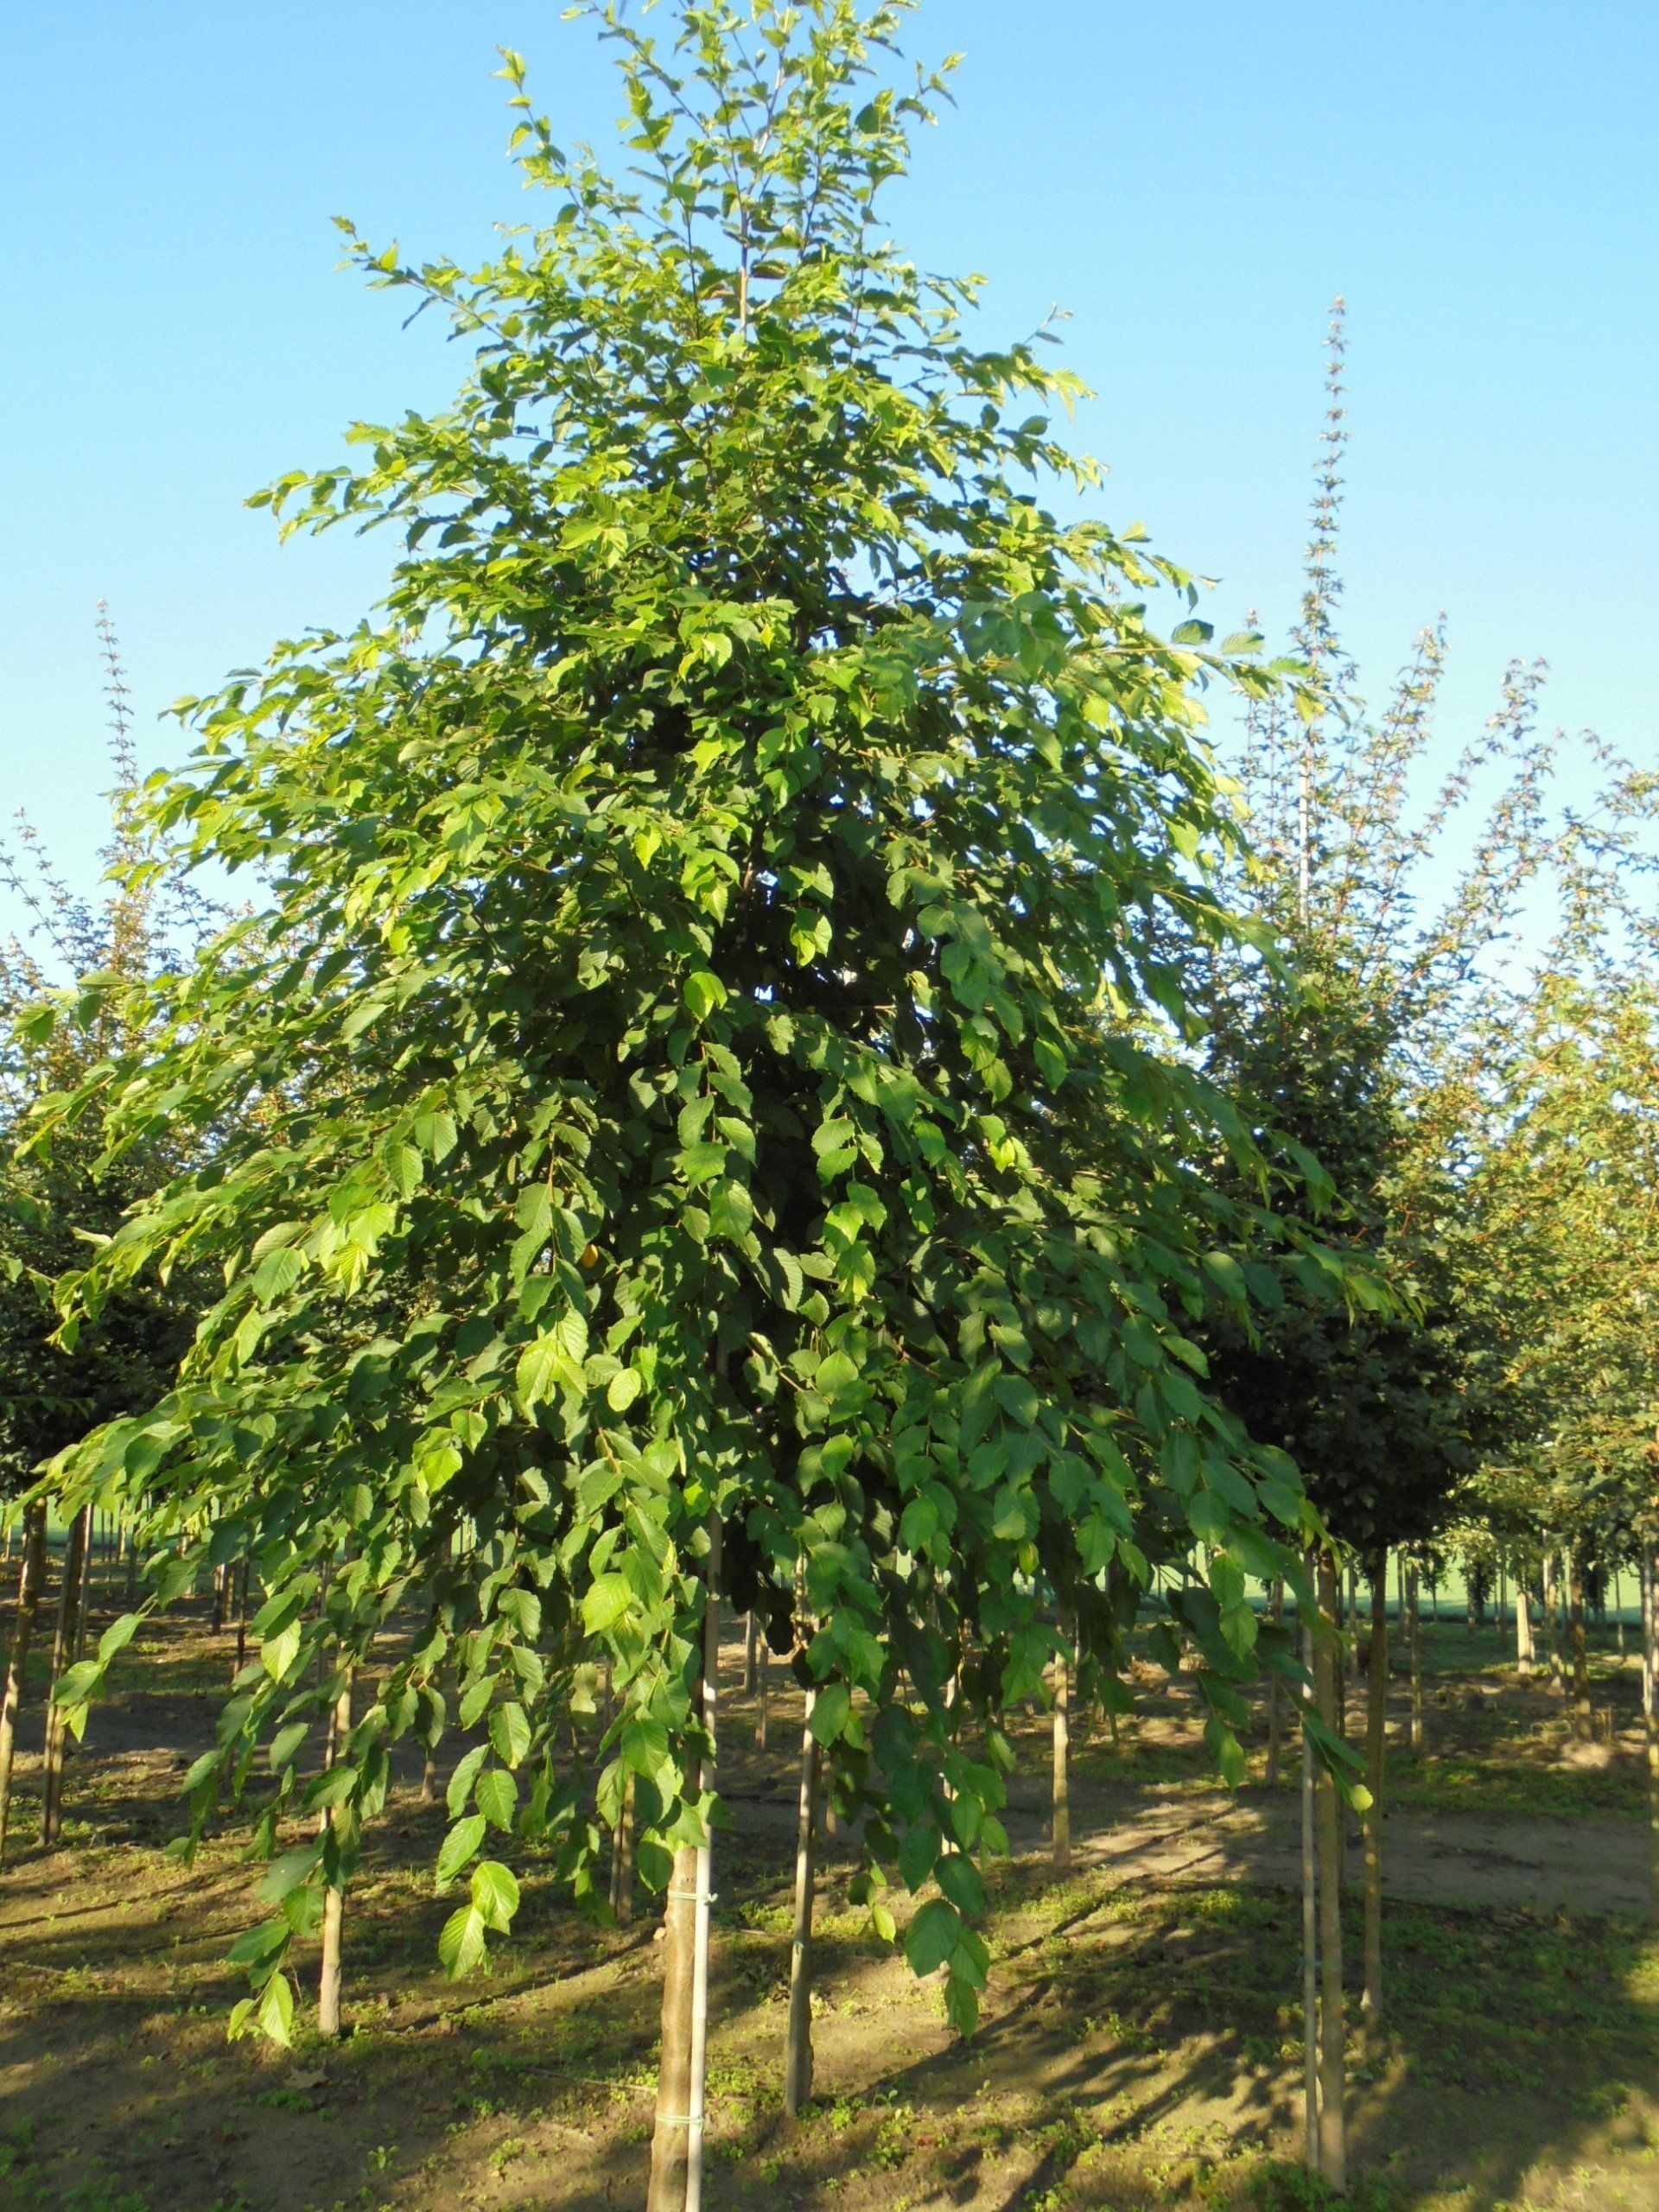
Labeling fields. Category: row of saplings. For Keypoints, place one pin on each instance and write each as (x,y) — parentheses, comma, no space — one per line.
(1548,1605)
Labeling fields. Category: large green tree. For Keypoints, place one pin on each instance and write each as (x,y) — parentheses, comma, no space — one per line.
(711,1079)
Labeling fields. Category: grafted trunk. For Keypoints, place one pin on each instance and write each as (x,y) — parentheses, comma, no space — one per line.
(334,1902)
(1333,2158)
(31,1578)
(798,2060)
(666,2191)
(1061,1838)
(676,2183)
(1377,1716)
(63,1645)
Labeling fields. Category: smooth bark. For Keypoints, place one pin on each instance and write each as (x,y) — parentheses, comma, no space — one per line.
(665,2192)
(334,1902)
(622,1859)
(1523,1628)
(1416,1663)
(1552,1638)
(1333,2159)
(705,1881)
(750,1640)
(63,1644)
(798,2060)
(1275,1694)
(30,1581)
(1580,1649)
(1376,1717)
(1061,1830)
(1310,1942)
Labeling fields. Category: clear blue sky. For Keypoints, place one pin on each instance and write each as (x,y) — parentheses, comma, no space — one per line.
(1194,184)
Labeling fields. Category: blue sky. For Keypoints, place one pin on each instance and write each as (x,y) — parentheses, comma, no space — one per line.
(1480,179)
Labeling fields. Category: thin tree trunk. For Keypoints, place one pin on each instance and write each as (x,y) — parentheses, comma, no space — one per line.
(622,1859)
(334,1902)
(63,1645)
(1581,1652)
(676,2183)
(1376,1719)
(763,1684)
(1618,1612)
(1522,1629)
(1310,1941)
(1650,1708)
(242,1615)
(1414,1655)
(1061,1833)
(705,1883)
(798,2061)
(1275,1694)
(84,1599)
(132,1565)
(221,1576)
(30,1579)
(1333,2161)
(1552,1637)
(750,1639)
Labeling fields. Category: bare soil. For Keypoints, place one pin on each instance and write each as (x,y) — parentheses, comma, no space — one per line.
(1141,2045)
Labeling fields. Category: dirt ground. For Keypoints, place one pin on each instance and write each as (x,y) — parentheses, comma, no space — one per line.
(1141,2046)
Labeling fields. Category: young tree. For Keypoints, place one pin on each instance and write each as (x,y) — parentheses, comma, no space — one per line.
(51,1209)
(711,1081)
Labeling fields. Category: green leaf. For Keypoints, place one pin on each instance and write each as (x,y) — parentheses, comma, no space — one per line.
(605,1603)
(495,1894)
(462,1942)
(459,1846)
(496,1795)
(510,1732)
(703,992)
(931,1935)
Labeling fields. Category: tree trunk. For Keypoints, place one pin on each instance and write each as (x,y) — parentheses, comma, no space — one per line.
(666,2189)
(1551,1625)
(221,1575)
(63,1645)
(1522,1629)
(622,1859)
(676,2183)
(1416,1664)
(334,1902)
(242,1615)
(1581,1653)
(750,1639)
(1333,2161)
(1061,1836)
(797,2062)
(1310,1941)
(1618,1612)
(30,1578)
(1276,1695)
(1376,1721)
(84,1600)
(1650,1708)
(763,1682)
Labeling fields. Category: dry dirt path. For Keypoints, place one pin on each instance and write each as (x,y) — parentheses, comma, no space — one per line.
(1587,1863)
